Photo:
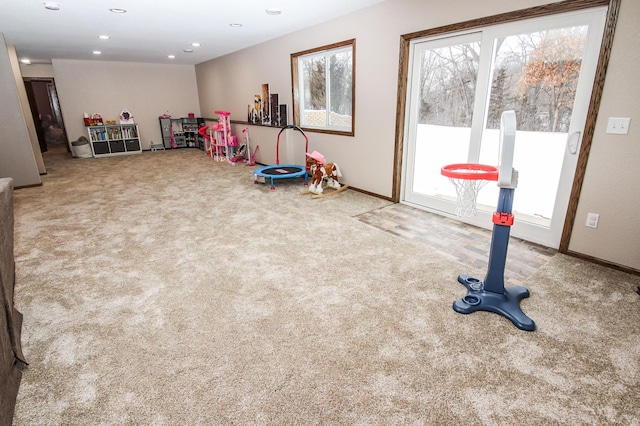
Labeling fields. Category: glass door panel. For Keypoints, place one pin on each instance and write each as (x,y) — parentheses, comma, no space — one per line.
(444,78)
(536,75)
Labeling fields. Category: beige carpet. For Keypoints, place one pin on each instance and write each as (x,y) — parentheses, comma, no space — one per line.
(167,289)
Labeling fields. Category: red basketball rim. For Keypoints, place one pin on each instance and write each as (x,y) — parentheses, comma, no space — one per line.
(470,171)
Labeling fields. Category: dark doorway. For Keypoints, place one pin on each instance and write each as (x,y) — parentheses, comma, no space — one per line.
(45,109)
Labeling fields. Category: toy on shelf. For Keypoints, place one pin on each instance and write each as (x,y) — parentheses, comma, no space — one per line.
(126,117)
(97,119)
(321,172)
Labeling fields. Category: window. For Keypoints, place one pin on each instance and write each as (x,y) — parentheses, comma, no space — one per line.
(323,81)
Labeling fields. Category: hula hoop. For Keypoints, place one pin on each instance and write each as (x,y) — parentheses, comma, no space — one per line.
(470,171)
(294,127)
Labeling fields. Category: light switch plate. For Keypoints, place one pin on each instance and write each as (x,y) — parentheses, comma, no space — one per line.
(618,125)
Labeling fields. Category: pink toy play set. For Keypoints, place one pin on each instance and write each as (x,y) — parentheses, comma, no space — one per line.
(222,145)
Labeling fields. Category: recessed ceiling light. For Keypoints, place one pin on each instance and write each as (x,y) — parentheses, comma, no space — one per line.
(97,52)
(26,61)
(118,10)
(235,25)
(195,44)
(188,50)
(104,37)
(274,11)
(171,56)
(51,6)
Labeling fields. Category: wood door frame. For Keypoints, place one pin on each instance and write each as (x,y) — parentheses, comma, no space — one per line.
(613,9)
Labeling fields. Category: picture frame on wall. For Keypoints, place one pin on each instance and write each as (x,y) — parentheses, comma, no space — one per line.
(282,115)
(266,117)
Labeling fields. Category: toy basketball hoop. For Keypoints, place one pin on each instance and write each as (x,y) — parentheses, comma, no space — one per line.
(491,295)
(468,179)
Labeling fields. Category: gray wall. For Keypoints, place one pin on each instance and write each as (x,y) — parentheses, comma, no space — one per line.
(145,90)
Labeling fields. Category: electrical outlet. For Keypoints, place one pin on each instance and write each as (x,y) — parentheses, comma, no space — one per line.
(592,220)
(618,125)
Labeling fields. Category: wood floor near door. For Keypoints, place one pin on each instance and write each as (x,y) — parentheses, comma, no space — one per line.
(465,243)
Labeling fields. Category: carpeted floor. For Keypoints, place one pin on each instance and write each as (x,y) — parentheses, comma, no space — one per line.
(167,289)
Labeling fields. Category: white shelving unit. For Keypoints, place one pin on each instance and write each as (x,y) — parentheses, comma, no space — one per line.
(110,140)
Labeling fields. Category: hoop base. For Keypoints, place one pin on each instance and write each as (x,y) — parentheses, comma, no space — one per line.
(506,304)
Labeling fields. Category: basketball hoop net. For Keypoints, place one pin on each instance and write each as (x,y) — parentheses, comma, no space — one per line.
(468,179)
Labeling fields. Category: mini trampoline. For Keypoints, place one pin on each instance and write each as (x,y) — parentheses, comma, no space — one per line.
(283,171)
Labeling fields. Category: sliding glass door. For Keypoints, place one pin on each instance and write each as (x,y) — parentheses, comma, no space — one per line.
(459,85)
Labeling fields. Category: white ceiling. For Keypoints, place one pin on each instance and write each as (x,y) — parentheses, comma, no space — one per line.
(153,29)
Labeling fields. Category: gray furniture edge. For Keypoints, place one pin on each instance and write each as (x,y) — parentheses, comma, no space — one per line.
(12,359)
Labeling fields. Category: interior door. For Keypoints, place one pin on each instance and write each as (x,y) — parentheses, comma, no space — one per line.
(458,87)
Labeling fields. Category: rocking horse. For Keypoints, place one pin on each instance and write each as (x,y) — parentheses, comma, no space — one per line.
(321,172)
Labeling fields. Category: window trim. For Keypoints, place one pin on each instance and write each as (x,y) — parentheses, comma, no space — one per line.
(296,92)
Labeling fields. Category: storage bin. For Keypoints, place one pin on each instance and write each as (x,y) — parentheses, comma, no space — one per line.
(81,149)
